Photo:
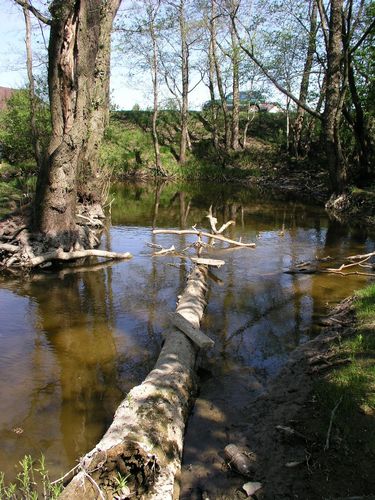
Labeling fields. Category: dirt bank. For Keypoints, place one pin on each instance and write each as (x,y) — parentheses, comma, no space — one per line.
(289,466)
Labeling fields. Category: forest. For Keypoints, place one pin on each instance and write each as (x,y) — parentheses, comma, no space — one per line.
(254,209)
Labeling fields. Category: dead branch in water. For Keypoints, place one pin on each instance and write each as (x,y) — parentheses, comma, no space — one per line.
(60,255)
(203,233)
(213,222)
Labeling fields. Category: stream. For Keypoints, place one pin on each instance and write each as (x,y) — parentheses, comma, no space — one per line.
(74,340)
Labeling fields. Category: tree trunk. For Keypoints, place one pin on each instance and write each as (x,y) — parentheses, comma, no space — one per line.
(211,86)
(144,442)
(236,83)
(155,87)
(333,104)
(185,82)
(78,77)
(219,78)
(33,98)
(311,47)
(361,129)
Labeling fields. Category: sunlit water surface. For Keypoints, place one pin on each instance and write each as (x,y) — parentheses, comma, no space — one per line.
(74,341)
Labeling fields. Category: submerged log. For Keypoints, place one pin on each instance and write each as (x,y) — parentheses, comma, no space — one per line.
(144,442)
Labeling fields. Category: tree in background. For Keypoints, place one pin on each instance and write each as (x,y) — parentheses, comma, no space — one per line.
(339,36)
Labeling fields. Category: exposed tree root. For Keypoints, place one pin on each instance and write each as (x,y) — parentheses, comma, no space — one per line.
(20,248)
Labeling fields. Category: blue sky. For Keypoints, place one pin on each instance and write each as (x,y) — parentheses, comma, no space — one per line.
(124,93)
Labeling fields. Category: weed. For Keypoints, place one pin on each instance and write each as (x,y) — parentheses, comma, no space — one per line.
(32,482)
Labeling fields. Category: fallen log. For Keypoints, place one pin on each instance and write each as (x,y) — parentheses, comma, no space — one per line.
(203,233)
(144,442)
(60,255)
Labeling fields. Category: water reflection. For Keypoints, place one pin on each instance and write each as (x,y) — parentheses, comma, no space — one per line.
(75,340)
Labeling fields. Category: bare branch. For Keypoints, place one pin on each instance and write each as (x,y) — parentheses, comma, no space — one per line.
(34,11)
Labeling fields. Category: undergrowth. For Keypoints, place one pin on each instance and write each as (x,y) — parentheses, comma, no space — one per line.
(32,482)
(352,387)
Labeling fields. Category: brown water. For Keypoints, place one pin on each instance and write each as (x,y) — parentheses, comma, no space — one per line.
(74,341)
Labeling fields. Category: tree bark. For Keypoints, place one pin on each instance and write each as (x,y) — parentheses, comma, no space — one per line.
(311,47)
(155,87)
(78,77)
(219,78)
(185,82)
(33,98)
(211,86)
(235,80)
(333,104)
(145,439)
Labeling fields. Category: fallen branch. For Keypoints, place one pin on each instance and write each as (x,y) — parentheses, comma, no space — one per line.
(145,439)
(60,255)
(326,446)
(164,251)
(208,262)
(203,233)
(7,247)
(329,366)
(213,222)
(360,257)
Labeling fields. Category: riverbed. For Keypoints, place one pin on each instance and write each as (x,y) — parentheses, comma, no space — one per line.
(74,340)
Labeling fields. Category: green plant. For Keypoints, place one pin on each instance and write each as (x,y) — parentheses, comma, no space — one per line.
(32,482)
(15,131)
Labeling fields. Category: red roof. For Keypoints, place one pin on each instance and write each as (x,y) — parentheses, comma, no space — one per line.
(5,93)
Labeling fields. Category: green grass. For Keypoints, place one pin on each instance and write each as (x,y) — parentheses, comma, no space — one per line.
(353,385)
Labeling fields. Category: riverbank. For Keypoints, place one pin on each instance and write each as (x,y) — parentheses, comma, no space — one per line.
(312,434)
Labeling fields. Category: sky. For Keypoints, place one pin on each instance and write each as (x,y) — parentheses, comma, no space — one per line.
(125,93)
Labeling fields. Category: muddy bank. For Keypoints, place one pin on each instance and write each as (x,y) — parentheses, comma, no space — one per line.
(288,465)
(356,207)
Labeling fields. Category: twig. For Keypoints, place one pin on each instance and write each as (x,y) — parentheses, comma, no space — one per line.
(326,446)
(94,483)
(164,251)
(72,471)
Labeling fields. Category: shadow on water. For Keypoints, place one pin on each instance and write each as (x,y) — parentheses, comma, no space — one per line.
(75,341)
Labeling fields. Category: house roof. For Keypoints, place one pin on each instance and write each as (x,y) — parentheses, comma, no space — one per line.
(5,94)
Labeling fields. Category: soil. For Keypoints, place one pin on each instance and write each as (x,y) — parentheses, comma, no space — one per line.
(311,473)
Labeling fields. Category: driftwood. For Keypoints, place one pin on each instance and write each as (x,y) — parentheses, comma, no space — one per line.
(60,255)
(207,235)
(145,439)
(213,222)
(208,262)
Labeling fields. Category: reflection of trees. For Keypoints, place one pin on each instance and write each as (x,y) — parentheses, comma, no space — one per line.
(77,318)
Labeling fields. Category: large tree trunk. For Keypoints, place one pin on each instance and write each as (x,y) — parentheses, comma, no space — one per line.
(144,442)
(311,47)
(78,77)
(333,105)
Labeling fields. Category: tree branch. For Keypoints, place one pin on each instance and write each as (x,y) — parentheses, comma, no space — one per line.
(282,89)
(363,37)
(34,11)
